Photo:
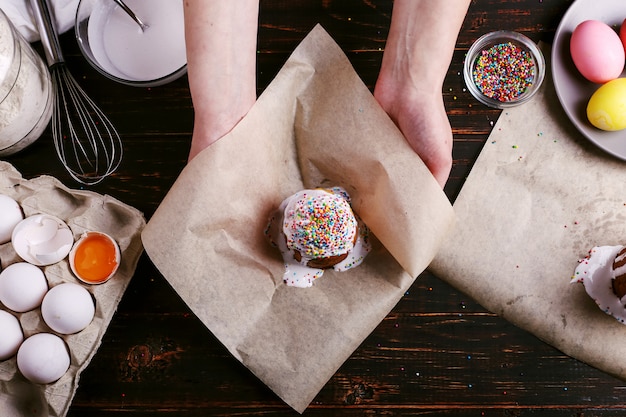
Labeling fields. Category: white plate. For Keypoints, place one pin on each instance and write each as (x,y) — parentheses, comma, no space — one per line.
(572,89)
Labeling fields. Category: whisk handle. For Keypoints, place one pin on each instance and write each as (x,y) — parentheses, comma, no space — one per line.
(47,31)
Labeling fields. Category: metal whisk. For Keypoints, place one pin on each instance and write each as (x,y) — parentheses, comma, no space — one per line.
(86,141)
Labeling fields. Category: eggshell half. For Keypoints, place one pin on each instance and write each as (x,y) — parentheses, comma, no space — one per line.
(95,258)
(42,239)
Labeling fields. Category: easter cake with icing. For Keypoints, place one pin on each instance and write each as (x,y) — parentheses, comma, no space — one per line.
(603,273)
(316,229)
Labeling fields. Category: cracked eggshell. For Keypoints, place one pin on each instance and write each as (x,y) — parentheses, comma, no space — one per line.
(43,358)
(11,335)
(42,239)
(11,216)
(95,258)
(22,287)
(68,308)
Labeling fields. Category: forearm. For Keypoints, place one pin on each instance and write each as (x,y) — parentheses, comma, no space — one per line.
(221,39)
(421,42)
(420,46)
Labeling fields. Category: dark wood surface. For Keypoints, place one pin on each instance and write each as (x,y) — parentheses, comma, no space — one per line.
(437,353)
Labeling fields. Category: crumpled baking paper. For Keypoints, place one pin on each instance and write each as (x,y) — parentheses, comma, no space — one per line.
(83,211)
(316,125)
(538,198)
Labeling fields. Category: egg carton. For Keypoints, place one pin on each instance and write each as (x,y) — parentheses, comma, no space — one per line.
(82,211)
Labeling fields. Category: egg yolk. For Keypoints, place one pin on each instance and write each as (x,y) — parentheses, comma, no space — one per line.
(95,258)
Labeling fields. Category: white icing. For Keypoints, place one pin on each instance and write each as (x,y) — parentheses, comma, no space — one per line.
(298,274)
(596,273)
(622,269)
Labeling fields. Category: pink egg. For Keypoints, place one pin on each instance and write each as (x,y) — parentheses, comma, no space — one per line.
(597,51)
(622,34)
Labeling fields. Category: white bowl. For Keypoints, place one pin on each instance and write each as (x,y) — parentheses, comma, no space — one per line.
(118,48)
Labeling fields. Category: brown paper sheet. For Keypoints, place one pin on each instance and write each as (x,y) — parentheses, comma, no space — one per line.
(82,211)
(317,124)
(538,198)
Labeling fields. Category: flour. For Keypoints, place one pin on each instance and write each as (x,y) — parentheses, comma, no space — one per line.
(26,92)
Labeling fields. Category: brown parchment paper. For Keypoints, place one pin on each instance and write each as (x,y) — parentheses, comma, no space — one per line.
(538,198)
(83,211)
(316,124)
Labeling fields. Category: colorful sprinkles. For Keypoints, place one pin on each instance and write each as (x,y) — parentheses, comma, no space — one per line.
(504,72)
(321,225)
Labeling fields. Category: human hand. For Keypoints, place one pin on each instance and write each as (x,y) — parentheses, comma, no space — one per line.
(419,49)
(422,119)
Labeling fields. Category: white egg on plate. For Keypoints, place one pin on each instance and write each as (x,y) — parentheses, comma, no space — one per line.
(22,287)
(43,358)
(42,239)
(11,335)
(68,308)
(11,215)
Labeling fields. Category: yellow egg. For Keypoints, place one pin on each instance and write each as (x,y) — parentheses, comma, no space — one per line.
(606,109)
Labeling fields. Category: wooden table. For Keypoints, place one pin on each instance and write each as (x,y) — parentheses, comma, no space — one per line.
(436,353)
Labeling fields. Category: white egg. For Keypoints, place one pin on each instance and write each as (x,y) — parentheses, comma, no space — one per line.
(42,239)
(68,308)
(22,287)
(43,358)
(11,216)
(11,336)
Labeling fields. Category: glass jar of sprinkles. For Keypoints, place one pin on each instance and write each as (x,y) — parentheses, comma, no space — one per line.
(503,69)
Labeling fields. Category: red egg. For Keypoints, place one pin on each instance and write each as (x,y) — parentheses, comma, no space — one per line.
(597,51)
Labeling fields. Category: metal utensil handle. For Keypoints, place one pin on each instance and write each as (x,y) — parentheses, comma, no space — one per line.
(47,31)
(132,14)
